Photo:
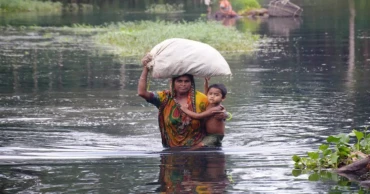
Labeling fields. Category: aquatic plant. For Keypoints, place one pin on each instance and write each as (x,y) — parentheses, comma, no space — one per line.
(165,8)
(28,5)
(336,152)
(135,39)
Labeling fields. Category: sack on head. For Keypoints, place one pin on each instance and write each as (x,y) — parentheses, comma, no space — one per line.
(177,56)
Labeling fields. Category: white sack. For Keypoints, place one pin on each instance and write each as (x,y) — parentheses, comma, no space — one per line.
(177,56)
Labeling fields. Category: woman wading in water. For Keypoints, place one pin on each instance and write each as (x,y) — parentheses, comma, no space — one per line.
(177,128)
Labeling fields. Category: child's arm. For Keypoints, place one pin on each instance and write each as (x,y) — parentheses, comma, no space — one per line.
(206,79)
(202,115)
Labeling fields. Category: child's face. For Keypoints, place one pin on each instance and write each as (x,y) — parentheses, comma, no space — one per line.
(214,96)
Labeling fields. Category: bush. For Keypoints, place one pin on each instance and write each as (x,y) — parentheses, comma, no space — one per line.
(28,5)
(242,5)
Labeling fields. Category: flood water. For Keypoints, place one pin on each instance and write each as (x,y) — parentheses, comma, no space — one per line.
(71,122)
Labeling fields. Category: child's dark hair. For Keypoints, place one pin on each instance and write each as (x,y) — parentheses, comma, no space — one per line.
(221,87)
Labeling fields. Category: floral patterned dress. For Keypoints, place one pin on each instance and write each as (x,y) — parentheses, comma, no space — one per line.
(178,129)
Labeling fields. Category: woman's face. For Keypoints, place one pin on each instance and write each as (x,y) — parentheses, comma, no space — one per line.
(182,84)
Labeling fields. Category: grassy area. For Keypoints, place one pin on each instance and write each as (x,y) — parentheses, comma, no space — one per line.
(29,5)
(135,39)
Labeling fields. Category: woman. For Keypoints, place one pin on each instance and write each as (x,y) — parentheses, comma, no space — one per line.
(177,129)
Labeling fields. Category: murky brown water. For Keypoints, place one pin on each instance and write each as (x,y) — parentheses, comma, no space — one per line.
(70,120)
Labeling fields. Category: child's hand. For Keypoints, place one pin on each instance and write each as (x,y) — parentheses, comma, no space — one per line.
(218,109)
(184,107)
(220,113)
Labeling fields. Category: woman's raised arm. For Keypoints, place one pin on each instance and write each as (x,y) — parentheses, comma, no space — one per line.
(142,85)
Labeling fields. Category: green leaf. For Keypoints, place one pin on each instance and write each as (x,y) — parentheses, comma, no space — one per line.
(344,150)
(323,147)
(334,158)
(298,166)
(344,138)
(326,152)
(359,135)
(313,155)
(332,139)
(296,158)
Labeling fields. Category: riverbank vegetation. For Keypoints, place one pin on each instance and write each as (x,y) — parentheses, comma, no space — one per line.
(242,6)
(14,6)
(29,5)
(337,152)
(165,8)
(133,39)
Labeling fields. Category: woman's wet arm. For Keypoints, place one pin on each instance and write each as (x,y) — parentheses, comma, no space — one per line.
(142,85)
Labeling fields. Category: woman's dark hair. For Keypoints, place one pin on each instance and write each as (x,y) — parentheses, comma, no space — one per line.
(189,75)
(221,87)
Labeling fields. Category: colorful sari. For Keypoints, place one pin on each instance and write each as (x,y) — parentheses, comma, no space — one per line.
(178,129)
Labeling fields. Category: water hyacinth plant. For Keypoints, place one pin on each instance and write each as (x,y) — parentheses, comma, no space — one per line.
(135,39)
(337,152)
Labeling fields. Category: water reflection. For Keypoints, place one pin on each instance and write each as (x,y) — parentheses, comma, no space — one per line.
(351,46)
(343,184)
(176,172)
(283,26)
(193,172)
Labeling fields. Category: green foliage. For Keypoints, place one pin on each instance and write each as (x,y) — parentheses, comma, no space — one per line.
(135,39)
(341,153)
(165,8)
(244,5)
(29,5)
(41,6)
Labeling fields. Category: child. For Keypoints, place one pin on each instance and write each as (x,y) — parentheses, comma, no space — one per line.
(216,93)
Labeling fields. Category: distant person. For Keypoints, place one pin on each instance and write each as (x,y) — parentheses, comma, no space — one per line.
(226,9)
(215,127)
(208,4)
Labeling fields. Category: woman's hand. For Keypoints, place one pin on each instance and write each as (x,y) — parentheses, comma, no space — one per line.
(146,59)
(206,79)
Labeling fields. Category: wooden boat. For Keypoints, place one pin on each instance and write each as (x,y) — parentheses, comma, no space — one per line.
(283,8)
